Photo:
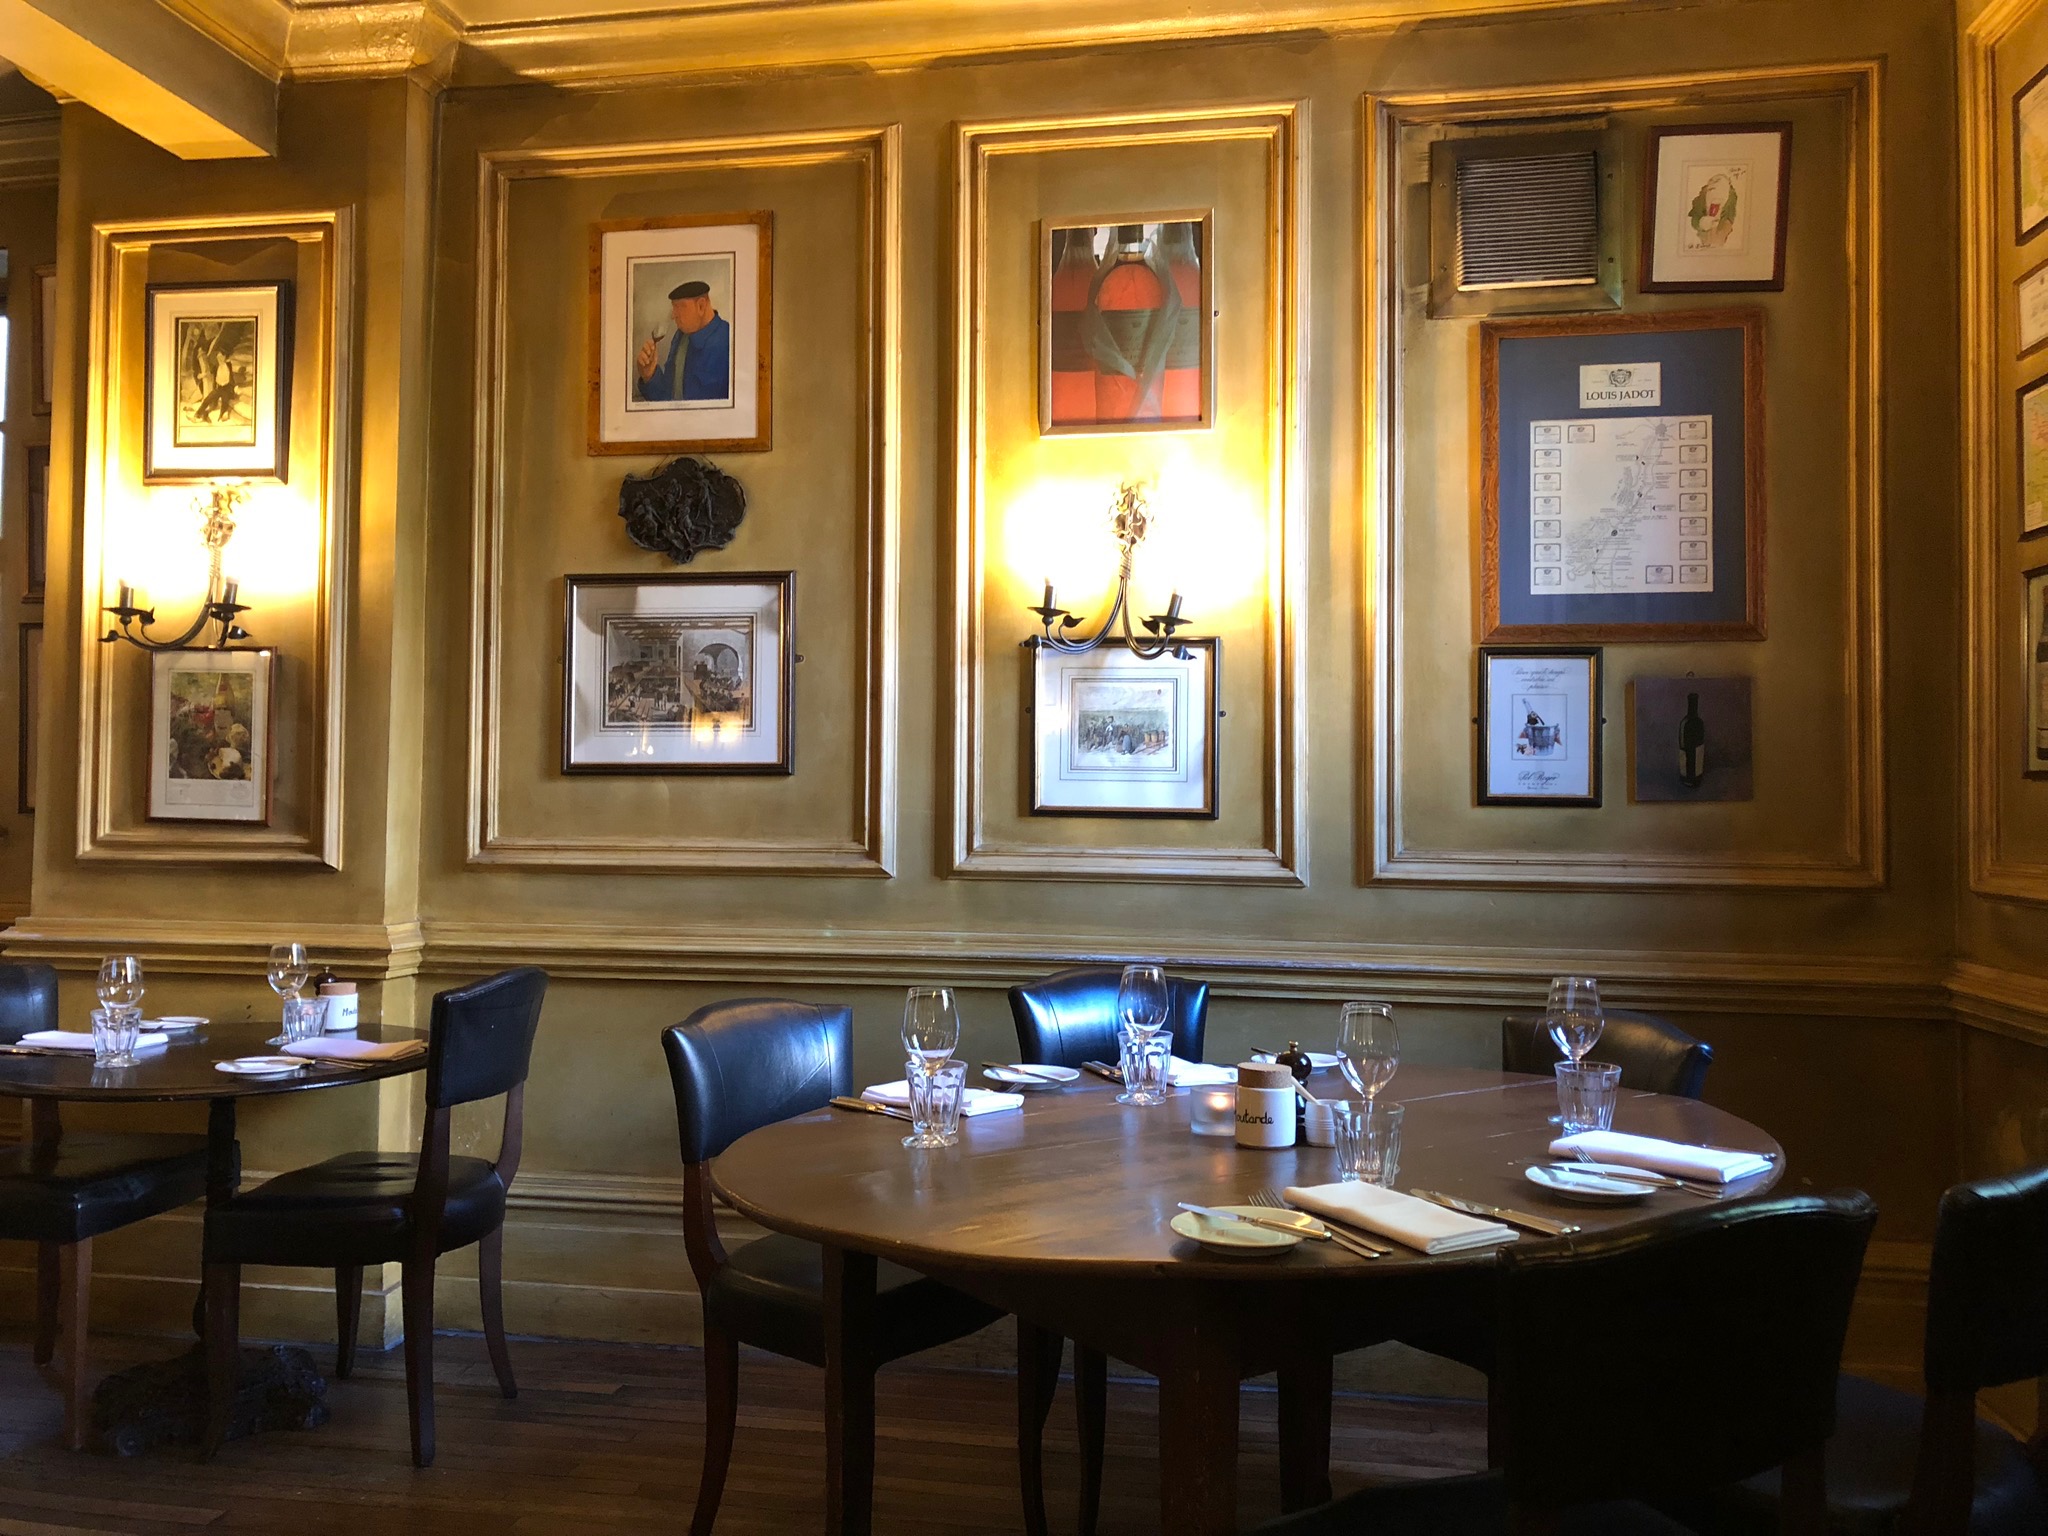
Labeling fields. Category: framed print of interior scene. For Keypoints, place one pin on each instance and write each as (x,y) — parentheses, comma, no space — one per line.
(210,749)
(679,674)
(1539,726)
(1715,211)
(1125,325)
(218,381)
(680,313)
(1116,735)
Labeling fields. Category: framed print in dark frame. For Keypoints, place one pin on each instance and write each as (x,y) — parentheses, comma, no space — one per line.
(2030,156)
(37,529)
(1622,477)
(28,701)
(1716,201)
(1113,734)
(1541,720)
(2036,636)
(685,673)
(217,382)
(2032,457)
(1126,324)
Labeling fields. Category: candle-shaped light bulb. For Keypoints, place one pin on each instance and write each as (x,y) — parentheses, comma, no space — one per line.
(1047,603)
(227,592)
(127,596)
(1173,606)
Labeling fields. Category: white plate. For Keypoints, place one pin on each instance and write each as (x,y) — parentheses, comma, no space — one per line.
(1234,1237)
(1322,1061)
(176,1023)
(1033,1080)
(1589,1188)
(262,1066)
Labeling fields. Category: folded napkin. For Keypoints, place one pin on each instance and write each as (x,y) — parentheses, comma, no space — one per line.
(72,1040)
(348,1048)
(1673,1157)
(1195,1074)
(1421,1224)
(973,1101)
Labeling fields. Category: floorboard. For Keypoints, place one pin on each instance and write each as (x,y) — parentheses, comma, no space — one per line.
(604,1440)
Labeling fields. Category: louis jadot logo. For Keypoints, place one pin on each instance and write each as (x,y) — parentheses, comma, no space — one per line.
(1611,387)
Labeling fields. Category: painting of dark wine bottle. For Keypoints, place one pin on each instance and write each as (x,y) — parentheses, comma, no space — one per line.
(1692,744)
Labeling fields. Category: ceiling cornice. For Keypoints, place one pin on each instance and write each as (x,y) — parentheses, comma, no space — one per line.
(28,150)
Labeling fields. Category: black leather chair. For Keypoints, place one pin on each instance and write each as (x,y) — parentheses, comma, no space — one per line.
(1930,1465)
(1671,1358)
(737,1066)
(390,1207)
(62,1191)
(1654,1056)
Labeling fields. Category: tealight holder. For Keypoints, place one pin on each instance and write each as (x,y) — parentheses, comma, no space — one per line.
(1213,1111)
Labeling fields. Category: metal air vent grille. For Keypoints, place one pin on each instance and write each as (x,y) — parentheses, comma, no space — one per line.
(1528,221)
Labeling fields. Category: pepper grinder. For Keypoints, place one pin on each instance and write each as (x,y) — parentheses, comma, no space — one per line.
(1301,1064)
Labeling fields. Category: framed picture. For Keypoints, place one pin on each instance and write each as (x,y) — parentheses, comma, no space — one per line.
(679,333)
(29,699)
(1125,325)
(1622,477)
(2030,156)
(1692,739)
(1539,726)
(680,674)
(209,735)
(2031,301)
(219,381)
(1115,735)
(2033,457)
(1715,210)
(44,339)
(2037,672)
(37,465)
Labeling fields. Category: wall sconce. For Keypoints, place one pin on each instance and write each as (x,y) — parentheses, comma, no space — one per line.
(1129,516)
(218,507)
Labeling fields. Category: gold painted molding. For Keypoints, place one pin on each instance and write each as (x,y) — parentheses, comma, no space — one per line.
(2000,1001)
(371,952)
(878,154)
(1385,856)
(1283,859)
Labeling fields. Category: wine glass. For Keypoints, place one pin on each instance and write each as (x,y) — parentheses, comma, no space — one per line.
(1141,1000)
(289,969)
(931,1027)
(1574,1017)
(1368,1047)
(120,982)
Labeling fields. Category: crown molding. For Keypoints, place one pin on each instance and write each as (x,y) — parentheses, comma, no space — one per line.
(28,150)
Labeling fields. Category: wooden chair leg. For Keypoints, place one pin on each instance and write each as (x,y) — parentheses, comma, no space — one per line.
(1038,1378)
(418,1280)
(1305,1386)
(223,1286)
(849,1299)
(1091,1409)
(75,1287)
(49,1287)
(490,1280)
(348,1317)
(721,1417)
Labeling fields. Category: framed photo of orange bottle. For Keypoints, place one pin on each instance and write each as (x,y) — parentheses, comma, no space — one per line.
(1127,324)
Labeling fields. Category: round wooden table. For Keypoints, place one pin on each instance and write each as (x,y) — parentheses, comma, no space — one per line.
(1058,1213)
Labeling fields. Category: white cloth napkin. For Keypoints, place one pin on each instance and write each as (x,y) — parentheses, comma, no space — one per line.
(72,1040)
(1673,1157)
(1420,1224)
(973,1101)
(1196,1074)
(347,1048)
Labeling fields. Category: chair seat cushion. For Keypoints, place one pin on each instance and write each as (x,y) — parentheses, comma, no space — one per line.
(82,1185)
(1870,1465)
(351,1209)
(770,1296)
(1459,1506)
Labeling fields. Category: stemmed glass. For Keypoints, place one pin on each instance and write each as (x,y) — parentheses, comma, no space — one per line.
(120,982)
(289,969)
(1368,1047)
(1141,1000)
(1574,1019)
(931,1032)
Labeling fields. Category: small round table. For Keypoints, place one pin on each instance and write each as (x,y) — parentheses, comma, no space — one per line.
(1058,1213)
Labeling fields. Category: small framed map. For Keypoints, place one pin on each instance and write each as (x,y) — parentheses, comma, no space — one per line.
(1113,734)
(1715,211)
(1622,477)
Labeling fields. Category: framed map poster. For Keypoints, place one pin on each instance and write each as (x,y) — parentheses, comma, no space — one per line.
(1622,477)
(1113,734)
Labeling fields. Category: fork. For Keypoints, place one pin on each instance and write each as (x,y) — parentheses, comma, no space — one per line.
(1658,1180)
(1365,1247)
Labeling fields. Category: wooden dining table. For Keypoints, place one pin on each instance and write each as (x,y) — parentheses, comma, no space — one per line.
(1059,1214)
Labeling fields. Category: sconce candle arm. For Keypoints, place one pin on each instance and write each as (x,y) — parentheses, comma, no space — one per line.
(131,622)
(1130,517)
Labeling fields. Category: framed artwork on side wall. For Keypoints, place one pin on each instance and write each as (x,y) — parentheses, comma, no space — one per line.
(2030,156)
(1715,210)
(680,674)
(680,312)
(209,735)
(2031,301)
(1539,726)
(29,699)
(2033,429)
(1113,734)
(1692,739)
(43,335)
(218,381)
(2036,754)
(1125,324)
(37,531)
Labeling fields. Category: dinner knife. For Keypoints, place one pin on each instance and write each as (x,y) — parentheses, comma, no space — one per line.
(1021,1071)
(1103,1069)
(1638,1176)
(1523,1219)
(1271,1223)
(869,1107)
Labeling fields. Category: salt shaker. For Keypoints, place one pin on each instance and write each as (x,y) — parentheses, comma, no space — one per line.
(1265,1105)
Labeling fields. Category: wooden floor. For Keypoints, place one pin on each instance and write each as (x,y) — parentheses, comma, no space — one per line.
(603,1440)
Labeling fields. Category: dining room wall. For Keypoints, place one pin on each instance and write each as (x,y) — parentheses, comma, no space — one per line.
(1327,534)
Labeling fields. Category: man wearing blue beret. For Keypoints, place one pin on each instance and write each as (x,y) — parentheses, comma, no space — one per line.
(698,364)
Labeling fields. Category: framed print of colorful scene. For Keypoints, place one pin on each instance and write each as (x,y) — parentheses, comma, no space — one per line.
(679,674)
(1113,734)
(218,394)
(210,748)
(1539,726)
(1715,211)
(680,312)
(1126,325)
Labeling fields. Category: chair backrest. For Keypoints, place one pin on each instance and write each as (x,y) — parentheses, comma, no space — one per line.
(1987,1286)
(1654,1056)
(1070,1016)
(1678,1356)
(481,1043)
(737,1066)
(28,1000)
